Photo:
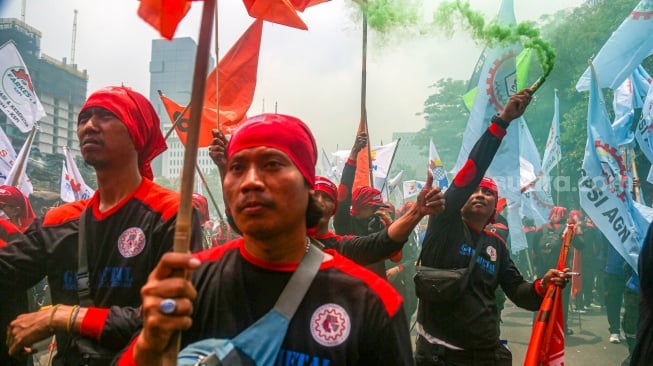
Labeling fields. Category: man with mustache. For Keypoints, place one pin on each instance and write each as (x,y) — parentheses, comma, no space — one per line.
(347,316)
(463,331)
(128,225)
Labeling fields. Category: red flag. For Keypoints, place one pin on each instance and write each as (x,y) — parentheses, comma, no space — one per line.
(238,71)
(209,122)
(163,15)
(301,5)
(547,344)
(275,11)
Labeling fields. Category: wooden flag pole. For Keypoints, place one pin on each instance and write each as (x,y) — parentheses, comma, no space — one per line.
(183,230)
(217,76)
(633,164)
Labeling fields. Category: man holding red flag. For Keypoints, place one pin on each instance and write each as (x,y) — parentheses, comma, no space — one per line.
(463,331)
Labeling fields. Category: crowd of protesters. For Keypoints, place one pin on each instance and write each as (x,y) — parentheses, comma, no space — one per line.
(108,259)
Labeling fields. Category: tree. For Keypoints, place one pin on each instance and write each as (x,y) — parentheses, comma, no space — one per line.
(446,116)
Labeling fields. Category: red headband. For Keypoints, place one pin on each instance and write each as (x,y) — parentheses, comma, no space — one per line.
(325,185)
(202,206)
(137,113)
(14,197)
(363,197)
(285,133)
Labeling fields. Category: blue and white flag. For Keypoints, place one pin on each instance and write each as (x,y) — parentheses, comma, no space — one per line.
(437,168)
(497,82)
(72,186)
(393,191)
(552,151)
(628,101)
(604,184)
(536,201)
(644,130)
(626,48)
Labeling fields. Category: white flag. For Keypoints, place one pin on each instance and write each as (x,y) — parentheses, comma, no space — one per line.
(552,151)
(437,168)
(67,193)
(17,96)
(17,176)
(7,155)
(412,188)
(74,179)
(382,158)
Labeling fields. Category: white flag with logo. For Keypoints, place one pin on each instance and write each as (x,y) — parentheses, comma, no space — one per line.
(412,188)
(72,181)
(18,99)
(437,168)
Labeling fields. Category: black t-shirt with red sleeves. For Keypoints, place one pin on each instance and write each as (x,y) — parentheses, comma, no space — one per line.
(349,316)
(124,244)
(470,321)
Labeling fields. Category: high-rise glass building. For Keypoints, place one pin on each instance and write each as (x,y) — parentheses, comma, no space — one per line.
(171,71)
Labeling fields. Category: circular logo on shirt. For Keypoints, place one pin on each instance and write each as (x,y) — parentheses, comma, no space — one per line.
(492,253)
(330,325)
(131,242)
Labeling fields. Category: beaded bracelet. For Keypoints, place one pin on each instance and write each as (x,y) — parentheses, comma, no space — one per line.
(52,312)
(73,314)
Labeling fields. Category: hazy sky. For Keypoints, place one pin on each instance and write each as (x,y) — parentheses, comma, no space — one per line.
(313,75)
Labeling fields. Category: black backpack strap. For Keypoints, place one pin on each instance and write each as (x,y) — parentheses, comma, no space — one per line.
(83,288)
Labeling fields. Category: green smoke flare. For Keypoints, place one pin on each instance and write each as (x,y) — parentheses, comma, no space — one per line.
(386,16)
(524,33)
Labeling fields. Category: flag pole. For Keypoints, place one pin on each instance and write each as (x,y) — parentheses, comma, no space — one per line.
(208,190)
(363,121)
(633,164)
(181,243)
(217,76)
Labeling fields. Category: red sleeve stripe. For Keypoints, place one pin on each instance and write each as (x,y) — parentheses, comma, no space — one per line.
(160,199)
(64,213)
(93,322)
(538,287)
(497,130)
(466,174)
(127,358)
(389,296)
(216,253)
(351,161)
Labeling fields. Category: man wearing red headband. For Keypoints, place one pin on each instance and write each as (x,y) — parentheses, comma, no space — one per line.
(362,211)
(376,246)
(464,330)
(129,224)
(347,316)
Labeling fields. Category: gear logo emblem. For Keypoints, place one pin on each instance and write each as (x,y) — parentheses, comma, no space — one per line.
(330,325)
(613,169)
(502,81)
(643,11)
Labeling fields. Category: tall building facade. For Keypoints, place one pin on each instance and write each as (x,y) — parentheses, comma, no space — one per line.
(171,71)
(61,88)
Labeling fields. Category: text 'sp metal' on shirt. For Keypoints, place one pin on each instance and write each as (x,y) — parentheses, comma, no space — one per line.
(124,244)
(349,316)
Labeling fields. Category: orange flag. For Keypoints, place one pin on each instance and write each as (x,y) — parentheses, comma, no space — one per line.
(163,15)
(238,71)
(362,176)
(547,344)
(275,11)
(576,266)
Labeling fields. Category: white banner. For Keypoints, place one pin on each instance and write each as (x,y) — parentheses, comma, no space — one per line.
(18,99)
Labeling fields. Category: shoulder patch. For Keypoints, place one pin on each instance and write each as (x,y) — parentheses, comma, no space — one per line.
(162,200)
(466,174)
(389,296)
(65,213)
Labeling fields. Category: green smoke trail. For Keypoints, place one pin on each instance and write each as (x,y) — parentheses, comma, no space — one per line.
(387,16)
(524,33)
